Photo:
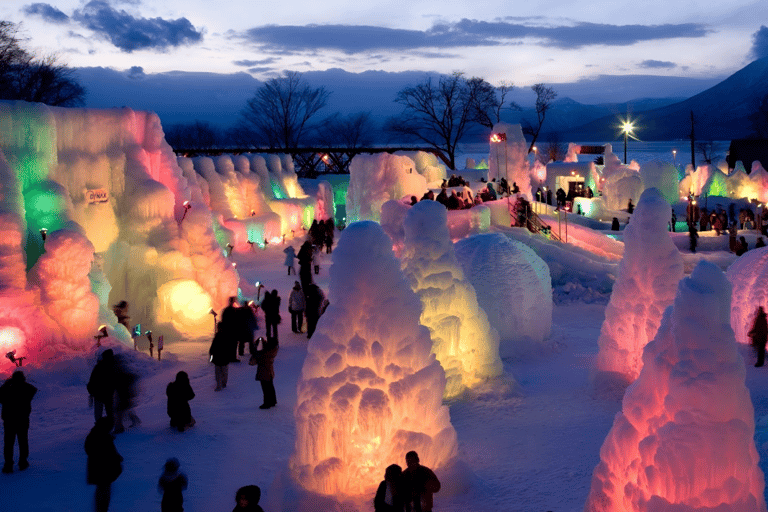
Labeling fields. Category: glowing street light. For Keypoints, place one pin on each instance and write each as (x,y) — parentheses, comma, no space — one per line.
(627,127)
(101,335)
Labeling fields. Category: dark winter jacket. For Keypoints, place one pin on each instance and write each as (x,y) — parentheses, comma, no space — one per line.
(265,358)
(172,485)
(102,383)
(759,332)
(104,462)
(380,501)
(420,483)
(220,350)
(16,398)
(179,394)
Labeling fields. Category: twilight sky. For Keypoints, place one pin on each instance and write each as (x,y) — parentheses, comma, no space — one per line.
(549,41)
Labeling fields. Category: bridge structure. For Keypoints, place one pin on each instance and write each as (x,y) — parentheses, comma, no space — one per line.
(311,161)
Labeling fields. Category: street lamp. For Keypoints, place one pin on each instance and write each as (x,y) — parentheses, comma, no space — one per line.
(674,156)
(627,128)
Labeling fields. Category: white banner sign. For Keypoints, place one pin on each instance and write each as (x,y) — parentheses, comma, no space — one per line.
(98,195)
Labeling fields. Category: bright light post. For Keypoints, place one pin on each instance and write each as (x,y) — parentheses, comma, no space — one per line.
(627,128)
(674,157)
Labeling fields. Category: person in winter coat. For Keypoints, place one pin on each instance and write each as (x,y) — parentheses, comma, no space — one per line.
(305,264)
(231,323)
(265,373)
(329,232)
(16,398)
(741,246)
(296,306)
(271,307)
(314,304)
(126,391)
(179,394)
(759,335)
(248,325)
(104,462)
(101,386)
(247,499)
(693,237)
(220,357)
(420,483)
(389,495)
(759,243)
(290,258)
(171,484)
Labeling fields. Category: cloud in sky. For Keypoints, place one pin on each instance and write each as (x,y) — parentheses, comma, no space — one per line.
(130,33)
(47,12)
(760,43)
(249,63)
(465,33)
(657,64)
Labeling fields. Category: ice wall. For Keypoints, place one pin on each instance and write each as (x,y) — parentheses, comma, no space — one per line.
(747,275)
(462,338)
(370,390)
(620,186)
(684,439)
(662,176)
(508,158)
(112,181)
(375,179)
(645,286)
(513,287)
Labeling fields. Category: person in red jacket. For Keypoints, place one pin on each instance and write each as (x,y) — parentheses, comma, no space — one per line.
(420,484)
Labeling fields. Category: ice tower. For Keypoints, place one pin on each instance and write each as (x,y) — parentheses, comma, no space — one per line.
(684,439)
(646,284)
(462,338)
(370,390)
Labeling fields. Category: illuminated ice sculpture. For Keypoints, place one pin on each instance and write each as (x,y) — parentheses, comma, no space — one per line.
(684,439)
(370,390)
(646,284)
(462,338)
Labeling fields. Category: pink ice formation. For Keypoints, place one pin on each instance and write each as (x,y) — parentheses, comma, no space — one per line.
(684,439)
(370,390)
(646,284)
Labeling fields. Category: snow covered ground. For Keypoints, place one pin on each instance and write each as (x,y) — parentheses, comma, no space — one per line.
(531,451)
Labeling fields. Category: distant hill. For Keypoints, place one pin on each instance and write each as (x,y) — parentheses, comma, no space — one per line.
(721,112)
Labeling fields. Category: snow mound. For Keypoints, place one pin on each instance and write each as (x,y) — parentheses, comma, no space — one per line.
(748,277)
(513,287)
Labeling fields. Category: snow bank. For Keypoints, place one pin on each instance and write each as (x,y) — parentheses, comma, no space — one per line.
(645,286)
(513,288)
(370,390)
(462,338)
(683,440)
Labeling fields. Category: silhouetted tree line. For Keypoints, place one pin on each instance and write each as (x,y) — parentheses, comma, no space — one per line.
(284,113)
(25,76)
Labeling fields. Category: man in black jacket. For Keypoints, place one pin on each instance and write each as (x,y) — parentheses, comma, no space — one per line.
(16,397)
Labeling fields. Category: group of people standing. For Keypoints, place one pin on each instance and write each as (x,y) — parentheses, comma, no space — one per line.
(409,490)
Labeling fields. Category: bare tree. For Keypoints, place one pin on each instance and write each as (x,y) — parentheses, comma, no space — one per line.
(37,79)
(195,135)
(486,113)
(555,150)
(759,118)
(544,98)
(279,113)
(439,114)
(707,150)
